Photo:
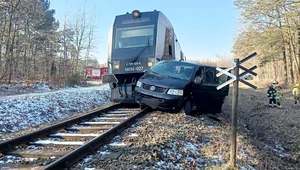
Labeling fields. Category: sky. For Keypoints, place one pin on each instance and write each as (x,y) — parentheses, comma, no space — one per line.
(204,29)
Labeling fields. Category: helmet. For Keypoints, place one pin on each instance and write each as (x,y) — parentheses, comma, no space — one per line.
(297,85)
(274,82)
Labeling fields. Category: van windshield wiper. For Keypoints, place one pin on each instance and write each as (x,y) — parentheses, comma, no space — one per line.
(155,72)
(143,50)
(164,75)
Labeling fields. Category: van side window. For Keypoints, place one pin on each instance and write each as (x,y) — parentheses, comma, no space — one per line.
(210,76)
(199,71)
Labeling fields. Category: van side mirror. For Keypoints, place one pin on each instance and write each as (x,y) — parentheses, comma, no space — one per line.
(198,80)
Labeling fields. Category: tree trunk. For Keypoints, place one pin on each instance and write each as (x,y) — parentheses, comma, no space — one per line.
(1,39)
(12,54)
(284,53)
(285,65)
(291,43)
(274,68)
(8,47)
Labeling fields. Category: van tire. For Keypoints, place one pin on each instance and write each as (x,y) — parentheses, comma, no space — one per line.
(217,106)
(186,108)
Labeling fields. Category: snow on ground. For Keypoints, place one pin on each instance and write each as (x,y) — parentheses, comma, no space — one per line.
(18,112)
(22,87)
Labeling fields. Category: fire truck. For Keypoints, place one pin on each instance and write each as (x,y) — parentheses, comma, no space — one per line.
(96,73)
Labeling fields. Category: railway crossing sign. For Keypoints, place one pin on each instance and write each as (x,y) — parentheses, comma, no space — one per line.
(235,78)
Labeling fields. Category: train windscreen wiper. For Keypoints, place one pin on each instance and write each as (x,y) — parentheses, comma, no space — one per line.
(143,50)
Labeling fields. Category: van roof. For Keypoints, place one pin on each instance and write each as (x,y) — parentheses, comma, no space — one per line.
(193,63)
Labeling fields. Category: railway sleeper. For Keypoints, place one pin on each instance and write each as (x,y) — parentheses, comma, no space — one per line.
(34,153)
(99,123)
(115,115)
(88,129)
(52,143)
(123,111)
(74,136)
(110,119)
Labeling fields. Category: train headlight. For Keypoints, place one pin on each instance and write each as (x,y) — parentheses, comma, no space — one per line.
(176,92)
(150,62)
(136,13)
(116,64)
(138,84)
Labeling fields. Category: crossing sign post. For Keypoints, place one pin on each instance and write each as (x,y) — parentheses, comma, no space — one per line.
(235,79)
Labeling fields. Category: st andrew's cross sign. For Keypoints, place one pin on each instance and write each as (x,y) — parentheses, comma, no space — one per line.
(238,76)
(235,78)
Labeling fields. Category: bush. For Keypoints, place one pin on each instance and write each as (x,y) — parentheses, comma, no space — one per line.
(74,79)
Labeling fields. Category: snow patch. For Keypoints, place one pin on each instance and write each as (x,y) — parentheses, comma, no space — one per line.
(18,112)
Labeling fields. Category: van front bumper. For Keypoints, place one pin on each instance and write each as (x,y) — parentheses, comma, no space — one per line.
(159,101)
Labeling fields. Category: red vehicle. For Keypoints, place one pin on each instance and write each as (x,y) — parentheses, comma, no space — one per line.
(96,72)
(93,73)
(104,71)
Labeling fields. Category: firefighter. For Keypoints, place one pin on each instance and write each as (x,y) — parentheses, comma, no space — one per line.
(272,96)
(296,93)
(275,84)
(279,95)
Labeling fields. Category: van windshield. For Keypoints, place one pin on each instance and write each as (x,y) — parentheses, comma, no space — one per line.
(174,69)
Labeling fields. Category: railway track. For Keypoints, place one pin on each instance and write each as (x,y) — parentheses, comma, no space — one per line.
(63,144)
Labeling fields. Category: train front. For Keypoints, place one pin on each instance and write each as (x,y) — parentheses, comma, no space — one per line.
(131,52)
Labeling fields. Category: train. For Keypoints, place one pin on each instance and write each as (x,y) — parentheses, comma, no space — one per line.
(137,41)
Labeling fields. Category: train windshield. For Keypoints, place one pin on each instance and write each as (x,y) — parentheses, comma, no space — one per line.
(132,37)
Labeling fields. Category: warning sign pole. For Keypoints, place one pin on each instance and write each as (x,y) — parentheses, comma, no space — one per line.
(235,79)
(235,97)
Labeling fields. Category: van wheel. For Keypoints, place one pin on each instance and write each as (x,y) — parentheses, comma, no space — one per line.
(186,108)
(217,107)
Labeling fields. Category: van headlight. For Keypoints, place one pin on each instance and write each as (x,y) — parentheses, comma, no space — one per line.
(175,92)
(138,84)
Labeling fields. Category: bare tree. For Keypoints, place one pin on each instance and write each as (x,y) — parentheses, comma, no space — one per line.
(275,24)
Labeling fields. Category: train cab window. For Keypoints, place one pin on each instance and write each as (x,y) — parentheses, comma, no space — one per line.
(132,37)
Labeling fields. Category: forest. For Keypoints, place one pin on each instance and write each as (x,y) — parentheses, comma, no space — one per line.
(272,29)
(35,46)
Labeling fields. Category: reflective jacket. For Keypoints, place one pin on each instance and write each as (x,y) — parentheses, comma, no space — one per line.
(279,93)
(271,92)
(296,91)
